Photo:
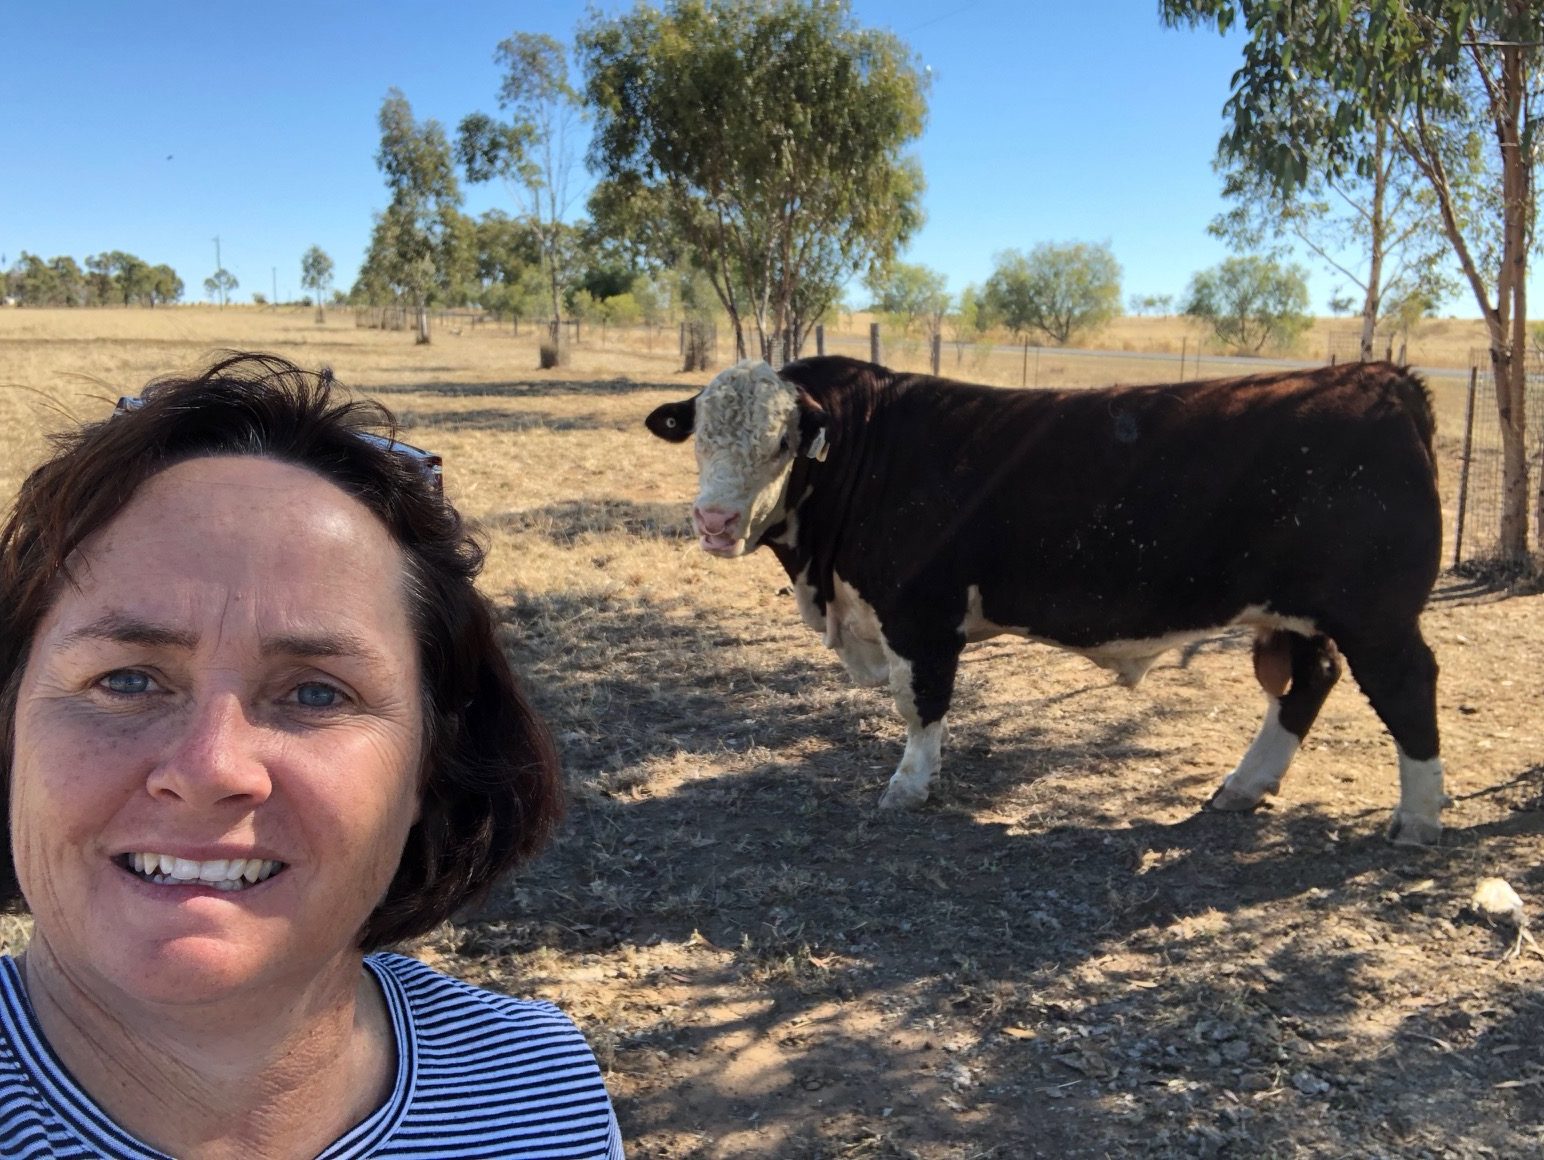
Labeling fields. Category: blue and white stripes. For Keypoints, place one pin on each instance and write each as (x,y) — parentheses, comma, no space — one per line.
(480,1076)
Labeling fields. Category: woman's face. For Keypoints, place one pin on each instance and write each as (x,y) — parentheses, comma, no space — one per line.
(218,737)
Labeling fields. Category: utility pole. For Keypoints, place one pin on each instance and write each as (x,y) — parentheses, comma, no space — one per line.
(219,268)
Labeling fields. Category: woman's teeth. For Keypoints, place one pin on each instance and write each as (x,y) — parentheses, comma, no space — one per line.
(221,873)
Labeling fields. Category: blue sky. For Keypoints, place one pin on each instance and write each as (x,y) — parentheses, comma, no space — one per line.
(155,128)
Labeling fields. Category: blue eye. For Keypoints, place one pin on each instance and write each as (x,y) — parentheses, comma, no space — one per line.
(318,696)
(126,682)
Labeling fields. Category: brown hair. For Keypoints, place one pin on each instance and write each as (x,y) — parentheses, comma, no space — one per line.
(491,788)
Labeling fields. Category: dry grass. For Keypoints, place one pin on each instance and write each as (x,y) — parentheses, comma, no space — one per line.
(1060,956)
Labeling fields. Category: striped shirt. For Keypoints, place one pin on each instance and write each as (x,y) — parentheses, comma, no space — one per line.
(480,1076)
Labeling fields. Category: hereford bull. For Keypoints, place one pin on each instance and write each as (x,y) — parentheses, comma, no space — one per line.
(916,515)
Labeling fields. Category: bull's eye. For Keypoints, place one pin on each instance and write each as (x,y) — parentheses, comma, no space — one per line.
(782,447)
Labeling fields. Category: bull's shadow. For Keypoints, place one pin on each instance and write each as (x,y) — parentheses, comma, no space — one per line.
(726,784)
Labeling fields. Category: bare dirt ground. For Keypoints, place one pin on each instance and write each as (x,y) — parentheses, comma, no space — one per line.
(1062,954)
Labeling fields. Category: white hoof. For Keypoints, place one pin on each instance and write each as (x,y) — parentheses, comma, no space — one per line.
(902,795)
(1236,801)
(1409,829)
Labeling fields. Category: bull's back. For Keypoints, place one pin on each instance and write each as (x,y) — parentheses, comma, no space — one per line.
(1097,513)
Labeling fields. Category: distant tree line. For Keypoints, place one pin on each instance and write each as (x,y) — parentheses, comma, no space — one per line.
(108,279)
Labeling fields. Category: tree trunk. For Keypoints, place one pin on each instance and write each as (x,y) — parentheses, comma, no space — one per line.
(1372,301)
(423,323)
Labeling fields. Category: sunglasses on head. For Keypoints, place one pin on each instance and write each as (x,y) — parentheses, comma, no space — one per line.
(427,462)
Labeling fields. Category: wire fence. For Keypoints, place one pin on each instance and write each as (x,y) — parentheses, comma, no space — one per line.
(1476,532)
(1469,431)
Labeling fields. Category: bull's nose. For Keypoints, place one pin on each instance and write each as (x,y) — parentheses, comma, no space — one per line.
(714,521)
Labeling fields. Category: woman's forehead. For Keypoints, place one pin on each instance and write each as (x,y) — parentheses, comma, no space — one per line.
(245,538)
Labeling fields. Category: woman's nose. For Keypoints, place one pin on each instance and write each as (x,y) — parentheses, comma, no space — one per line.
(215,757)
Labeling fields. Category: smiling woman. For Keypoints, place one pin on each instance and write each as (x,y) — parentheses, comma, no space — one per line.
(254,728)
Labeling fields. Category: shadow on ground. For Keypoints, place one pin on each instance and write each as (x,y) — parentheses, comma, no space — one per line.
(1023,968)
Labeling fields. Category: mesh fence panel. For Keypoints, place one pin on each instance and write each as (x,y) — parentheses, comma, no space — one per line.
(1477,536)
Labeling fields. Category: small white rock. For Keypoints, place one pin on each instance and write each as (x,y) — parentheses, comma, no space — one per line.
(1495,898)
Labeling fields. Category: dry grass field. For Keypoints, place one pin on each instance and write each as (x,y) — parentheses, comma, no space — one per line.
(1061,955)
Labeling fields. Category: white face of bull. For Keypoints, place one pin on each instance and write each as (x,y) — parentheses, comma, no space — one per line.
(747,428)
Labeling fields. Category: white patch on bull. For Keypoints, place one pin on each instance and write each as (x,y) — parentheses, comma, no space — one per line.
(909,783)
(790,536)
(1418,820)
(1130,660)
(747,422)
(807,598)
(852,630)
(1259,771)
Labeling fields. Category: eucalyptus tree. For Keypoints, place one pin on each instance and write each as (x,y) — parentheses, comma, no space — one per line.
(536,151)
(316,274)
(1459,86)
(1379,231)
(1057,289)
(412,242)
(218,286)
(909,291)
(768,135)
(1250,301)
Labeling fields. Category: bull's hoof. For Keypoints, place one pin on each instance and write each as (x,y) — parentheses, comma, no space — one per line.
(1406,829)
(1230,800)
(900,795)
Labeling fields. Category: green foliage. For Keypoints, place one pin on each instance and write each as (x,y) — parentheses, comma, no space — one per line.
(164,285)
(533,151)
(1159,304)
(1407,312)
(1457,86)
(1251,302)
(115,278)
(316,273)
(418,244)
(620,310)
(910,292)
(1056,290)
(762,139)
(218,286)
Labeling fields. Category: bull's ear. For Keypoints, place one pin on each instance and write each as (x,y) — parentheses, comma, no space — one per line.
(673,421)
(812,428)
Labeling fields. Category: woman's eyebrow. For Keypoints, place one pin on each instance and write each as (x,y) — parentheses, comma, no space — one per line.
(325,643)
(125,628)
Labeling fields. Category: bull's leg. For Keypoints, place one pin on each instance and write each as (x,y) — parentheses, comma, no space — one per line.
(1398,674)
(922,684)
(1297,673)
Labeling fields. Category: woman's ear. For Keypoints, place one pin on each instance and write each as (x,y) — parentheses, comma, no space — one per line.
(673,421)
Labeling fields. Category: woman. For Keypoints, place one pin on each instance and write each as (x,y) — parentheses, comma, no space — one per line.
(254,727)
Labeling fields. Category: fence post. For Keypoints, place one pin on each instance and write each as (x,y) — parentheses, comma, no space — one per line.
(873,342)
(937,344)
(1024,370)
(820,338)
(1184,348)
(1463,471)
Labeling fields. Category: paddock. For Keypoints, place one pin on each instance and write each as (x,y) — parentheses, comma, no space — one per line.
(1060,955)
